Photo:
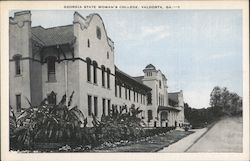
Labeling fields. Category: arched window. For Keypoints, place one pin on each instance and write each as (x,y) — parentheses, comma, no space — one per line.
(17,59)
(103,75)
(94,71)
(51,60)
(88,69)
(108,78)
(52,98)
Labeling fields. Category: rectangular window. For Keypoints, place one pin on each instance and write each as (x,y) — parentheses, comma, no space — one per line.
(141,98)
(89,105)
(104,106)
(120,91)
(109,106)
(129,94)
(51,69)
(18,102)
(125,93)
(137,97)
(17,64)
(150,115)
(134,96)
(95,106)
(115,90)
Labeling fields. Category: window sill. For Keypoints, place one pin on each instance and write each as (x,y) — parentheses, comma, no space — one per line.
(18,75)
(52,81)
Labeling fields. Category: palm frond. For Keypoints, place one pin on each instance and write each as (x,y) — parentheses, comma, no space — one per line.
(70,98)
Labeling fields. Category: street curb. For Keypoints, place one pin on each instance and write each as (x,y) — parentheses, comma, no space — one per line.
(209,127)
(164,146)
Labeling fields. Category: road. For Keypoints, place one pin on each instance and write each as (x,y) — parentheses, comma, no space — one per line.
(225,136)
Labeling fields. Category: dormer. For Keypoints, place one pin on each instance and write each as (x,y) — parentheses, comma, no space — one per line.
(149,71)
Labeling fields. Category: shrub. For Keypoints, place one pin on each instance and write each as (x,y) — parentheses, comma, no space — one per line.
(47,123)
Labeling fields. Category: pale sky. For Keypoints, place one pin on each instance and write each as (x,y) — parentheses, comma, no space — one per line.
(195,49)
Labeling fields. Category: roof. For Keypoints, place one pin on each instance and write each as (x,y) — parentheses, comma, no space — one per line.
(150,66)
(53,36)
(139,78)
(162,108)
(127,78)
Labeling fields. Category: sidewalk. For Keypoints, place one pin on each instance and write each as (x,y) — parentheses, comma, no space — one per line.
(183,144)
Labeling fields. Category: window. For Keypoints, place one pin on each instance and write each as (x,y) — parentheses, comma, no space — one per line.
(108,78)
(94,71)
(134,96)
(88,43)
(17,59)
(159,84)
(51,68)
(126,93)
(137,97)
(95,106)
(104,106)
(103,76)
(129,94)
(107,55)
(52,98)
(150,115)
(149,98)
(18,102)
(98,32)
(120,91)
(88,69)
(141,98)
(109,106)
(115,89)
(89,105)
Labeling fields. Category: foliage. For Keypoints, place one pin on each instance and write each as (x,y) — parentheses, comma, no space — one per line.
(48,123)
(222,101)
(119,125)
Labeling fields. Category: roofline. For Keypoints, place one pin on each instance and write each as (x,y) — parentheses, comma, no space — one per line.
(120,71)
(52,27)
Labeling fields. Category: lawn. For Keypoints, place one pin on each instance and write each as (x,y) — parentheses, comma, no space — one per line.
(149,144)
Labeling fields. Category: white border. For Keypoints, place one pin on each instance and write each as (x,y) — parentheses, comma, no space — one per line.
(59,5)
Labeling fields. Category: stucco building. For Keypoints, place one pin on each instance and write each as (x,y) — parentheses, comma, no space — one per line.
(80,58)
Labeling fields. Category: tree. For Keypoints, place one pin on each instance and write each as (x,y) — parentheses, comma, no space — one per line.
(224,102)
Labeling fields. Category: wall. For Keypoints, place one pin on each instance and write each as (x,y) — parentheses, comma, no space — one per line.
(19,40)
(84,30)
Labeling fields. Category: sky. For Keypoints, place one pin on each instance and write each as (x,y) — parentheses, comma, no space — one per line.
(195,49)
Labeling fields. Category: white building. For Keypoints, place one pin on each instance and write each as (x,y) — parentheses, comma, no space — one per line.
(80,58)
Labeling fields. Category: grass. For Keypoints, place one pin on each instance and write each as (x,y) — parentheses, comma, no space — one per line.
(149,144)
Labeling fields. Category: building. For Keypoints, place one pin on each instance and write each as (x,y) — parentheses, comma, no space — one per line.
(79,58)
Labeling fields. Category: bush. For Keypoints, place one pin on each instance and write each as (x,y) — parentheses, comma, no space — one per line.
(47,123)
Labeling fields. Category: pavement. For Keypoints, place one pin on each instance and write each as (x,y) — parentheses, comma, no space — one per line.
(184,143)
(224,136)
